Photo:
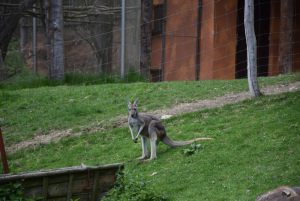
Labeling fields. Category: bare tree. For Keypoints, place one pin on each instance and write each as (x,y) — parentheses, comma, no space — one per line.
(286,36)
(251,48)
(11,12)
(55,39)
(146,37)
(97,21)
(103,32)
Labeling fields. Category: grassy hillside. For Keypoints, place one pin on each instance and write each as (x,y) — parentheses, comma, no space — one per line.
(25,113)
(255,148)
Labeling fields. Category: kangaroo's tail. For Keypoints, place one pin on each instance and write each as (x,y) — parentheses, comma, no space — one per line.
(166,140)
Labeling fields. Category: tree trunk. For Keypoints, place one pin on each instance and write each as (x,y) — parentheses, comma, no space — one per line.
(8,24)
(3,69)
(55,39)
(23,34)
(102,41)
(251,48)
(100,34)
(146,34)
(286,36)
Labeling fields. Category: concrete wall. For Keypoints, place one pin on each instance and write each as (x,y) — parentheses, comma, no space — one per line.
(224,39)
(181,37)
(274,38)
(156,47)
(207,40)
(296,44)
(218,40)
(274,68)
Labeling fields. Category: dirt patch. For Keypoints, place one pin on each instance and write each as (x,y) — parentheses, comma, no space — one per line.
(55,136)
(224,100)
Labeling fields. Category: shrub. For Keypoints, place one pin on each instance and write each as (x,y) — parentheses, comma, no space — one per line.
(129,188)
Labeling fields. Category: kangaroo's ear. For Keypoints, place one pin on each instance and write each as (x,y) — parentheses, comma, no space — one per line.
(136,102)
(129,104)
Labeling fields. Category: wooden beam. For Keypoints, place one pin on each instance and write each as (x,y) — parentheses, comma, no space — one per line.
(70,185)
(45,188)
(6,178)
(95,186)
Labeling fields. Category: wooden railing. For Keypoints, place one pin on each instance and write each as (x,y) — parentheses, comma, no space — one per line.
(81,182)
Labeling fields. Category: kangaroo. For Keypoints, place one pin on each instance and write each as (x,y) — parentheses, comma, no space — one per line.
(150,127)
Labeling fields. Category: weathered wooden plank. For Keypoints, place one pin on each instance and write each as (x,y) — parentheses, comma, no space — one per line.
(33,192)
(106,181)
(70,185)
(88,183)
(45,188)
(8,177)
(95,186)
(58,189)
(103,183)
(31,183)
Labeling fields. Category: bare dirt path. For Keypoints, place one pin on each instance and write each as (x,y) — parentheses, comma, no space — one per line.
(55,136)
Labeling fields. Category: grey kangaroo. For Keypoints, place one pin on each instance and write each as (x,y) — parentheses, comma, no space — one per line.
(150,127)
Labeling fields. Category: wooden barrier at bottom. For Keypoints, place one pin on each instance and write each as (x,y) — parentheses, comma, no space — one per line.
(72,183)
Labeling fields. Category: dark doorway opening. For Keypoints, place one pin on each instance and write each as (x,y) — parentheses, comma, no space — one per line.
(262,31)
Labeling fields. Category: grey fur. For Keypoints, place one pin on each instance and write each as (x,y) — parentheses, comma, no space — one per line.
(150,127)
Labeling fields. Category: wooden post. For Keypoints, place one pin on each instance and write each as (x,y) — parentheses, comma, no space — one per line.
(95,186)
(70,185)
(3,154)
(45,188)
(251,48)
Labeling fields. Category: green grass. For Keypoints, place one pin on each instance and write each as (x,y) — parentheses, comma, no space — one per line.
(26,79)
(255,148)
(28,112)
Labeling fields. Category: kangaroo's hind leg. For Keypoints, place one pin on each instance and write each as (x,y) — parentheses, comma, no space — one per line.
(153,148)
(153,139)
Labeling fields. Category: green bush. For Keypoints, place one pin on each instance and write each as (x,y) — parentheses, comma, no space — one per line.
(194,148)
(129,188)
(12,192)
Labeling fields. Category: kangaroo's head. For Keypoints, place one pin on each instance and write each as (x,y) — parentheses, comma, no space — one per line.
(132,109)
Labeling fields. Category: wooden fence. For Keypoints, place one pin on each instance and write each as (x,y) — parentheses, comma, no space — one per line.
(73,183)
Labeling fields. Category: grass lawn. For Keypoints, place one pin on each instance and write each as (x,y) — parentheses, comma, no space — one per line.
(255,147)
(25,113)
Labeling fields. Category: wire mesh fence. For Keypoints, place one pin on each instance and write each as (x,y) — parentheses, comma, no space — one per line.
(189,40)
